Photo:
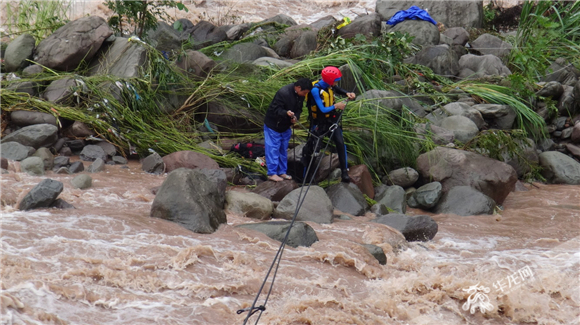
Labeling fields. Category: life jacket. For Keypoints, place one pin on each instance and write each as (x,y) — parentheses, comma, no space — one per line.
(327,96)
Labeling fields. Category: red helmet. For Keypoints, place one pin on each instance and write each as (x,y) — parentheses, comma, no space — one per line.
(330,74)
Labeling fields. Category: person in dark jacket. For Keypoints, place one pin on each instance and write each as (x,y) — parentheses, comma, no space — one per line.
(284,110)
(324,113)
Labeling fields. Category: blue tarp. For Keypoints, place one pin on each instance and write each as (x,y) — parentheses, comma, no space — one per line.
(413,12)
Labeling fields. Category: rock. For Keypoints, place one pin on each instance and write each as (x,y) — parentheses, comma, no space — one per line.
(25,118)
(46,156)
(463,128)
(18,52)
(188,159)
(316,206)
(36,136)
(97,166)
(32,166)
(76,167)
(465,201)
(61,204)
(275,191)
(249,205)
(73,43)
(361,177)
(300,235)
(153,164)
(414,228)
(15,151)
(123,59)
(347,198)
(393,197)
(377,252)
(93,152)
(404,177)
(453,167)
(82,181)
(42,195)
(428,195)
(558,168)
(192,199)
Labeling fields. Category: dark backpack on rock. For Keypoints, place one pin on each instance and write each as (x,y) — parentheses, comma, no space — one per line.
(250,150)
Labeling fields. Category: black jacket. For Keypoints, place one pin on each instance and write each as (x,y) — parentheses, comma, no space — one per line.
(286,99)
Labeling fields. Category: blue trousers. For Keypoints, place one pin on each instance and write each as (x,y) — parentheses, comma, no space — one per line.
(277,150)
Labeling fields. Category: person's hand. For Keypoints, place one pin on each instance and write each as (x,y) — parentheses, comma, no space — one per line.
(340,106)
(351,96)
(293,119)
(291,114)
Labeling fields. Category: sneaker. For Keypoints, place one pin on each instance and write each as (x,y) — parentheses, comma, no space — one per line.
(345,177)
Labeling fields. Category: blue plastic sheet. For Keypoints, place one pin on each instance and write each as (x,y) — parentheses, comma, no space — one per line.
(413,12)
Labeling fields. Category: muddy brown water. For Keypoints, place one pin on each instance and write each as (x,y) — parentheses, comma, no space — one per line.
(108,262)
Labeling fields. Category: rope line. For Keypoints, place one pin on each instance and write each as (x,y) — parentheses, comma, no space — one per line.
(278,257)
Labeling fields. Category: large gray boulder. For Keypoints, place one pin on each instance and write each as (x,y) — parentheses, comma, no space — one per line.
(164,37)
(206,33)
(393,197)
(122,58)
(489,44)
(558,168)
(465,201)
(249,205)
(453,167)
(73,43)
(497,116)
(195,63)
(191,198)
(32,166)
(15,151)
(478,66)
(462,127)
(426,196)
(316,205)
(42,195)
(440,58)
(368,25)
(93,152)
(424,32)
(348,198)
(36,136)
(18,52)
(188,159)
(304,44)
(458,35)
(244,52)
(64,91)
(404,177)
(25,118)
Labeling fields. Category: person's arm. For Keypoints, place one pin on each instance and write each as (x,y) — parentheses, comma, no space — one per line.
(319,102)
(343,92)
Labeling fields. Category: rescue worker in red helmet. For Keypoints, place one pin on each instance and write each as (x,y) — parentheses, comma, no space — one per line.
(324,112)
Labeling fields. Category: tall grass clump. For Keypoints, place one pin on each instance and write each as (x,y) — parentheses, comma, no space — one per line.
(548,30)
(37,18)
(527,120)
